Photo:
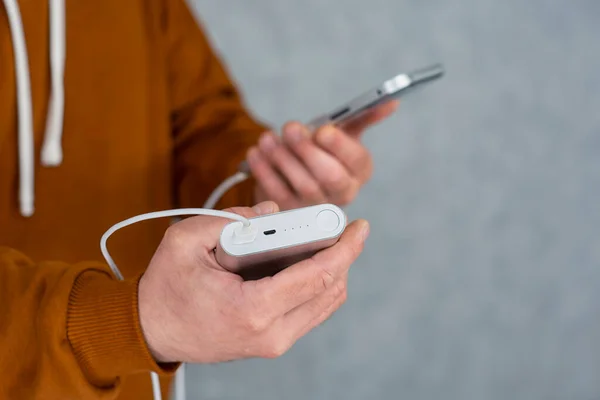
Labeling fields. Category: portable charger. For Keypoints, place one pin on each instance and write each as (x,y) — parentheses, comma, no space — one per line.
(278,240)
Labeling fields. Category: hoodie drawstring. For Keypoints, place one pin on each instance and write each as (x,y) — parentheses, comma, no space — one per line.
(52,147)
(25,115)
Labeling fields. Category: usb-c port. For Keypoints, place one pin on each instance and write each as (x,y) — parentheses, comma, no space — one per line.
(271,232)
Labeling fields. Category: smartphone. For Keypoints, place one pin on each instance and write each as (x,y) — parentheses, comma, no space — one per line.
(390,89)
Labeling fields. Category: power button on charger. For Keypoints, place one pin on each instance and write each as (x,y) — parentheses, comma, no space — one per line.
(328,220)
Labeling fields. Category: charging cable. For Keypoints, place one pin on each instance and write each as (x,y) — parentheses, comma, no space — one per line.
(224,187)
(162,214)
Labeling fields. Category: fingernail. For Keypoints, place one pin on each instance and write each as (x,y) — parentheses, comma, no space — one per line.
(267,142)
(326,136)
(365,231)
(295,133)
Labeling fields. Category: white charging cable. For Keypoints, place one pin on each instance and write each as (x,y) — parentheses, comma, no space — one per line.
(179,386)
(224,187)
(161,214)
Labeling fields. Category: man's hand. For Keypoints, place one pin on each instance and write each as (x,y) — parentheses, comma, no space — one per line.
(302,168)
(192,310)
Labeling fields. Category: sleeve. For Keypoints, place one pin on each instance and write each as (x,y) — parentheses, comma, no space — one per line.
(211,127)
(68,329)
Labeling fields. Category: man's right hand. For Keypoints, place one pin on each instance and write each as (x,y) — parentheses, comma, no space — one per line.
(193,310)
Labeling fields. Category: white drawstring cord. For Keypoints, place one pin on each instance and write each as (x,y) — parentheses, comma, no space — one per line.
(155,386)
(52,148)
(179,385)
(25,114)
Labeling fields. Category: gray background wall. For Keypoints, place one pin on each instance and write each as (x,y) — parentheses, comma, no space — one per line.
(481,279)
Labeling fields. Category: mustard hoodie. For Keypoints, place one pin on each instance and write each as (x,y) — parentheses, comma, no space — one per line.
(108,109)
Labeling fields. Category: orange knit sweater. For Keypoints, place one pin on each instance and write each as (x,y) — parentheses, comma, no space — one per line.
(151,122)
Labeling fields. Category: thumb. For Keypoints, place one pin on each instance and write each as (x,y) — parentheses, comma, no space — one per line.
(207,230)
(264,208)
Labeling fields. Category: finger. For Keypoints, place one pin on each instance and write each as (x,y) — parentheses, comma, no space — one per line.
(286,331)
(269,180)
(292,322)
(357,126)
(333,177)
(303,318)
(296,174)
(296,321)
(350,151)
(266,207)
(307,279)
(263,208)
(206,230)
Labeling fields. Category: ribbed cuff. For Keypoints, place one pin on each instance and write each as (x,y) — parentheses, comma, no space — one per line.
(104,330)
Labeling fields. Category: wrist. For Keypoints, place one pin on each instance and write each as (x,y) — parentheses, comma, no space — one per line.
(152,323)
(104,331)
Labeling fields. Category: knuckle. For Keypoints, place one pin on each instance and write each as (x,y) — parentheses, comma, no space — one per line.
(255,323)
(343,297)
(327,279)
(340,288)
(175,234)
(275,348)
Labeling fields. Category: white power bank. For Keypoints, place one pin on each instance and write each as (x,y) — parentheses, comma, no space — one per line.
(280,239)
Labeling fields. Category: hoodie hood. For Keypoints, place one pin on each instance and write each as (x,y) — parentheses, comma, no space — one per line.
(51,155)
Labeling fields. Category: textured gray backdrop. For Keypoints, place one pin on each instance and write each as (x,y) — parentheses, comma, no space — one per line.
(481,279)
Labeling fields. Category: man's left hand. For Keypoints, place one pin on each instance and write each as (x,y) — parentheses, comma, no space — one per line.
(304,168)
